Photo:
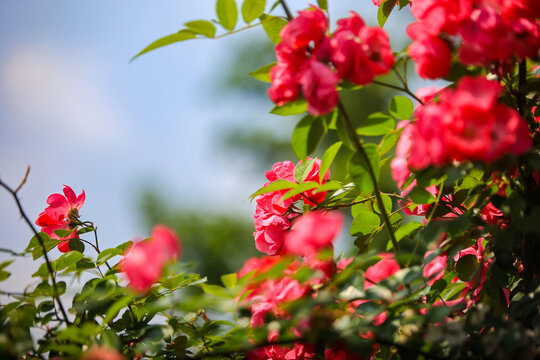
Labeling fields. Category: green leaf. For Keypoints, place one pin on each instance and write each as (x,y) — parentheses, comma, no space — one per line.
(389,141)
(216,291)
(358,169)
(67,259)
(330,185)
(42,271)
(110,339)
(303,169)
(84,230)
(272,25)
(229,280)
(407,229)
(107,254)
(115,308)
(401,107)
(387,202)
(63,233)
(377,124)
(421,196)
(125,245)
(227,13)
(466,267)
(328,158)
(300,189)
(323,4)
(182,35)
(76,245)
(277,185)
(385,8)
(263,73)
(365,223)
(307,135)
(35,248)
(252,9)
(290,108)
(403,3)
(202,27)
(357,208)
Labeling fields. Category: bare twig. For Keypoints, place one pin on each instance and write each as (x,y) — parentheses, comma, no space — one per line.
(13,192)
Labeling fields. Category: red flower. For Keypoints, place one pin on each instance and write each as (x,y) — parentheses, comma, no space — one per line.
(432,56)
(305,29)
(143,262)
(61,214)
(466,124)
(385,268)
(319,86)
(359,52)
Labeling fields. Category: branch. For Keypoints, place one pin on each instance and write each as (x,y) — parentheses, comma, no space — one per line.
(358,145)
(13,192)
(286,9)
(395,87)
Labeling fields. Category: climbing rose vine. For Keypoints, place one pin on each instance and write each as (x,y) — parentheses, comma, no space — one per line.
(446,256)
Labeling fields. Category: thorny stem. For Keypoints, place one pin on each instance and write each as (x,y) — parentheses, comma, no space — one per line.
(13,192)
(358,145)
(286,9)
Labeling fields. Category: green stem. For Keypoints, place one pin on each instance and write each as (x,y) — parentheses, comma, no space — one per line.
(358,145)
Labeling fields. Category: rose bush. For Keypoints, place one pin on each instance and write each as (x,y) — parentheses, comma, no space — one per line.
(447,269)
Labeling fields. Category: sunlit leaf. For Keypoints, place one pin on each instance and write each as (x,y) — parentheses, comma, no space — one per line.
(227,13)
(272,26)
(365,223)
(401,107)
(252,9)
(376,124)
(328,158)
(182,35)
(202,27)
(263,73)
(290,108)
(277,185)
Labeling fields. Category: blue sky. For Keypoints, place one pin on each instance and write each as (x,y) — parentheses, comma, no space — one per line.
(74,109)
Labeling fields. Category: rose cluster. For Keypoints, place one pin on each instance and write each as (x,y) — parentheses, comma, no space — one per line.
(466,123)
(311,63)
(62,214)
(273,216)
(487,33)
(268,298)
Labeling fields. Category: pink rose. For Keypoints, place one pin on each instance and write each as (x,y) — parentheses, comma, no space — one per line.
(285,86)
(61,214)
(434,270)
(313,232)
(143,262)
(308,27)
(385,268)
(359,52)
(319,86)
(432,56)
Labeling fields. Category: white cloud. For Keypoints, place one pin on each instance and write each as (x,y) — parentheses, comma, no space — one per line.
(51,93)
